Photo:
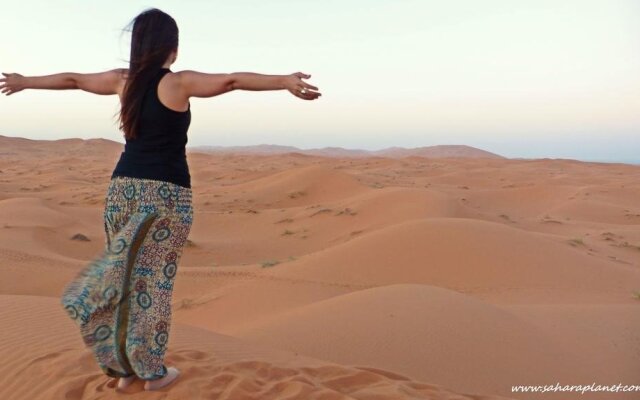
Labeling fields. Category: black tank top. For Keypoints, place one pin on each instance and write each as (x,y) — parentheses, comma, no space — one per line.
(159,150)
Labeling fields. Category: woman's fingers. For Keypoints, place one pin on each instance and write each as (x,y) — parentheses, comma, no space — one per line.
(5,88)
(311,94)
(306,76)
(307,95)
(305,87)
(308,86)
(302,89)
(8,91)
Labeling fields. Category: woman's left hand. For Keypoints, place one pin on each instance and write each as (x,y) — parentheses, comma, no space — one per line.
(12,83)
(298,87)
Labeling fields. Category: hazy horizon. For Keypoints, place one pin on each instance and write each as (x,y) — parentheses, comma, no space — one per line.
(528,79)
(635,161)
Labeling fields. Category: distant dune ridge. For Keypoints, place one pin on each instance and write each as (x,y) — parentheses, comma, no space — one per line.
(442,272)
(271,149)
(429,151)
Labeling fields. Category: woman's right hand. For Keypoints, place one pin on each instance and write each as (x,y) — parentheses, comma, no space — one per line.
(294,84)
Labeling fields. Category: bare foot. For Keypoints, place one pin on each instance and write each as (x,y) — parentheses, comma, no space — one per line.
(124,382)
(172,374)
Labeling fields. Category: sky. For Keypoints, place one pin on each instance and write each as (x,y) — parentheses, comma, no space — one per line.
(523,79)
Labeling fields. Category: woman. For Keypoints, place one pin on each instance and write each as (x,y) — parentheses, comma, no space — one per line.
(122,300)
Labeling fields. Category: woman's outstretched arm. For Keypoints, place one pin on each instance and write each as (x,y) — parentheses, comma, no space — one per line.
(99,83)
(199,84)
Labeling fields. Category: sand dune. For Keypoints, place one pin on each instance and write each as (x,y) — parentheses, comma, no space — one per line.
(301,186)
(497,262)
(47,361)
(50,227)
(232,299)
(30,212)
(73,146)
(590,210)
(311,277)
(606,334)
(431,332)
(523,201)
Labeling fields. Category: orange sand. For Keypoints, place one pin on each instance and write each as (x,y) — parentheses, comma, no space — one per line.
(320,277)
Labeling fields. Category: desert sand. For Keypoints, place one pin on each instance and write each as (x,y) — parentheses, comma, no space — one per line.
(334,277)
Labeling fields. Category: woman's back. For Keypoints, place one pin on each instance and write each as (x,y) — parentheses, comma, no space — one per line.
(159,151)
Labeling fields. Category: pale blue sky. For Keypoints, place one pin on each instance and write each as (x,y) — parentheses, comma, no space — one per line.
(533,78)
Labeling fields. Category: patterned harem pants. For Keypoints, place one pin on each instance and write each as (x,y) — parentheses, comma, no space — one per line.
(122,299)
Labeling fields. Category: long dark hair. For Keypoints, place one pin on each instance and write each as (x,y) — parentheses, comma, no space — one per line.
(153,37)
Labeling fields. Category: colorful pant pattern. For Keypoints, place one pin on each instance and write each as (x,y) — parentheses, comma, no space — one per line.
(122,300)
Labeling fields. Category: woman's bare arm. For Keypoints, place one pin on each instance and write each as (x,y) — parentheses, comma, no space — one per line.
(192,83)
(199,84)
(104,83)
(255,81)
